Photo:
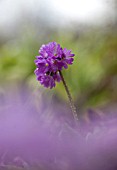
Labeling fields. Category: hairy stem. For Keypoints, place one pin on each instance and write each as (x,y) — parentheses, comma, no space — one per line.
(73,108)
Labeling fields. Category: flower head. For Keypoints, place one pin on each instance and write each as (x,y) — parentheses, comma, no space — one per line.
(51,60)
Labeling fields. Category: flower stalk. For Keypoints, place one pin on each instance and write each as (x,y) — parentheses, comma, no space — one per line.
(73,108)
(50,62)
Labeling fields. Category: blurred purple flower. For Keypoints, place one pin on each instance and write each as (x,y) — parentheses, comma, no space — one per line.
(32,140)
(51,60)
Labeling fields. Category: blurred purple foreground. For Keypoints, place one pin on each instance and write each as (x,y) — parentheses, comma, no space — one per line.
(34,136)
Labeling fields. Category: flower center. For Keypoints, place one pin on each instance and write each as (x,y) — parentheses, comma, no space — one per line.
(46,64)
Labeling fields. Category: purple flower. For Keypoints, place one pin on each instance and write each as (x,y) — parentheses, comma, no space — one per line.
(51,60)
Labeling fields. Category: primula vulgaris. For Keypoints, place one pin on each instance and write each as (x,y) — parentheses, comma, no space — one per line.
(50,62)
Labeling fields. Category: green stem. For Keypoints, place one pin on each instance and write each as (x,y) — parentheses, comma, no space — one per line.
(73,108)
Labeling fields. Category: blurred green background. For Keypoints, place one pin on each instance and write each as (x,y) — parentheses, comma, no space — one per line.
(92,79)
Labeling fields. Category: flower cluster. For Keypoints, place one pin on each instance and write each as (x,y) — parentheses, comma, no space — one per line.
(51,60)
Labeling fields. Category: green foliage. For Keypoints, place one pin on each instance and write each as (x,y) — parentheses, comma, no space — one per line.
(92,77)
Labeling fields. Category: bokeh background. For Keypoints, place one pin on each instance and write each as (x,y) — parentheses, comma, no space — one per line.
(37,130)
(88,27)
